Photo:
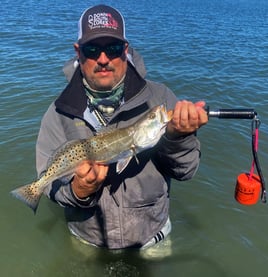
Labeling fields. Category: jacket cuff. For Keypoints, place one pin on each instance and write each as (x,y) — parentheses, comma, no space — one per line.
(88,202)
(170,146)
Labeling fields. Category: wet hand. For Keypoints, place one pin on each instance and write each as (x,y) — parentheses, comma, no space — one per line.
(187,118)
(88,178)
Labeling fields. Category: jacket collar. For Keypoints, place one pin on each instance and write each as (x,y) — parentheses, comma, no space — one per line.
(73,100)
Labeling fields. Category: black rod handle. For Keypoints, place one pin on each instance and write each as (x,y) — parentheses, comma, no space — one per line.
(233,113)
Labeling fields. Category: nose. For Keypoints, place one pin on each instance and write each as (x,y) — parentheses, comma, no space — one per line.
(103,59)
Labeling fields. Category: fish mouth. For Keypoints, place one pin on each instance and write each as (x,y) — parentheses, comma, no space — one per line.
(169,115)
(166,115)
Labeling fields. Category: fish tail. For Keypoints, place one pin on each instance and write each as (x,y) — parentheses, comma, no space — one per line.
(29,194)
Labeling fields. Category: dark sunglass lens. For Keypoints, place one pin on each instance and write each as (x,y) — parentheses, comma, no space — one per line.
(91,51)
(114,50)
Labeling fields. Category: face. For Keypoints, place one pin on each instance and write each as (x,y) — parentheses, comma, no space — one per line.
(103,71)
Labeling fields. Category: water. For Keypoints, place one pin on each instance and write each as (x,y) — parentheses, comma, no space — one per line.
(212,50)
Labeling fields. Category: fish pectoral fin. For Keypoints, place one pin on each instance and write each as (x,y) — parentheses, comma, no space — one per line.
(133,149)
(136,158)
(122,164)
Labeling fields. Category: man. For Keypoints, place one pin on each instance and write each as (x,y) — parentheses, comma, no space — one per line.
(104,208)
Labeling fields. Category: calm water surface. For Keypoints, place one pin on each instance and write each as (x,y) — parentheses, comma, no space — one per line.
(213,50)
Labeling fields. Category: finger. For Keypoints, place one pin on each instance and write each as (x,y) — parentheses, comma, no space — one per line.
(189,116)
(184,114)
(92,175)
(200,104)
(103,170)
(83,168)
(193,114)
(203,117)
(181,116)
(97,174)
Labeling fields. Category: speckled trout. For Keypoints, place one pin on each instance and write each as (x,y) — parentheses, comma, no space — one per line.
(115,146)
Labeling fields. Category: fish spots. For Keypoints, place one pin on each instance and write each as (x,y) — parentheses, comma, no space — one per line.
(31,191)
(93,143)
(113,146)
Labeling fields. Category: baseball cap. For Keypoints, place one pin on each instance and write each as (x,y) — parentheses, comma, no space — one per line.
(101,21)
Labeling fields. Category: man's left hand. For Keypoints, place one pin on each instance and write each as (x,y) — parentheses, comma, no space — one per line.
(187,118)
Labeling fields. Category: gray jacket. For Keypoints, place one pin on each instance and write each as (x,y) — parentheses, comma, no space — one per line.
(131,207)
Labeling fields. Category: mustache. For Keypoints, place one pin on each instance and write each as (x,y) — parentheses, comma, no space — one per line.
(100,68)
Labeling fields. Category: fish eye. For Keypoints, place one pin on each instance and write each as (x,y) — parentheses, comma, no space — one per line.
(152,116)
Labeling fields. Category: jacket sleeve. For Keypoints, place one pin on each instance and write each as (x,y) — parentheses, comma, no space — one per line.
(178,159)
(51,136)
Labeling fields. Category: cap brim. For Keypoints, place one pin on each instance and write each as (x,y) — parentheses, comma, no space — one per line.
(86,40)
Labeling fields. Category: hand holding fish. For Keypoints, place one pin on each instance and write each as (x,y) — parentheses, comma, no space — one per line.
(187,118)
(88,178)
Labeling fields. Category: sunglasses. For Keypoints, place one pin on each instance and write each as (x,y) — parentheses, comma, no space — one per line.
(112,51)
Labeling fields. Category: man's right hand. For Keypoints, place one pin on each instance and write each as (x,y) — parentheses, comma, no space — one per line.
(88,178)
